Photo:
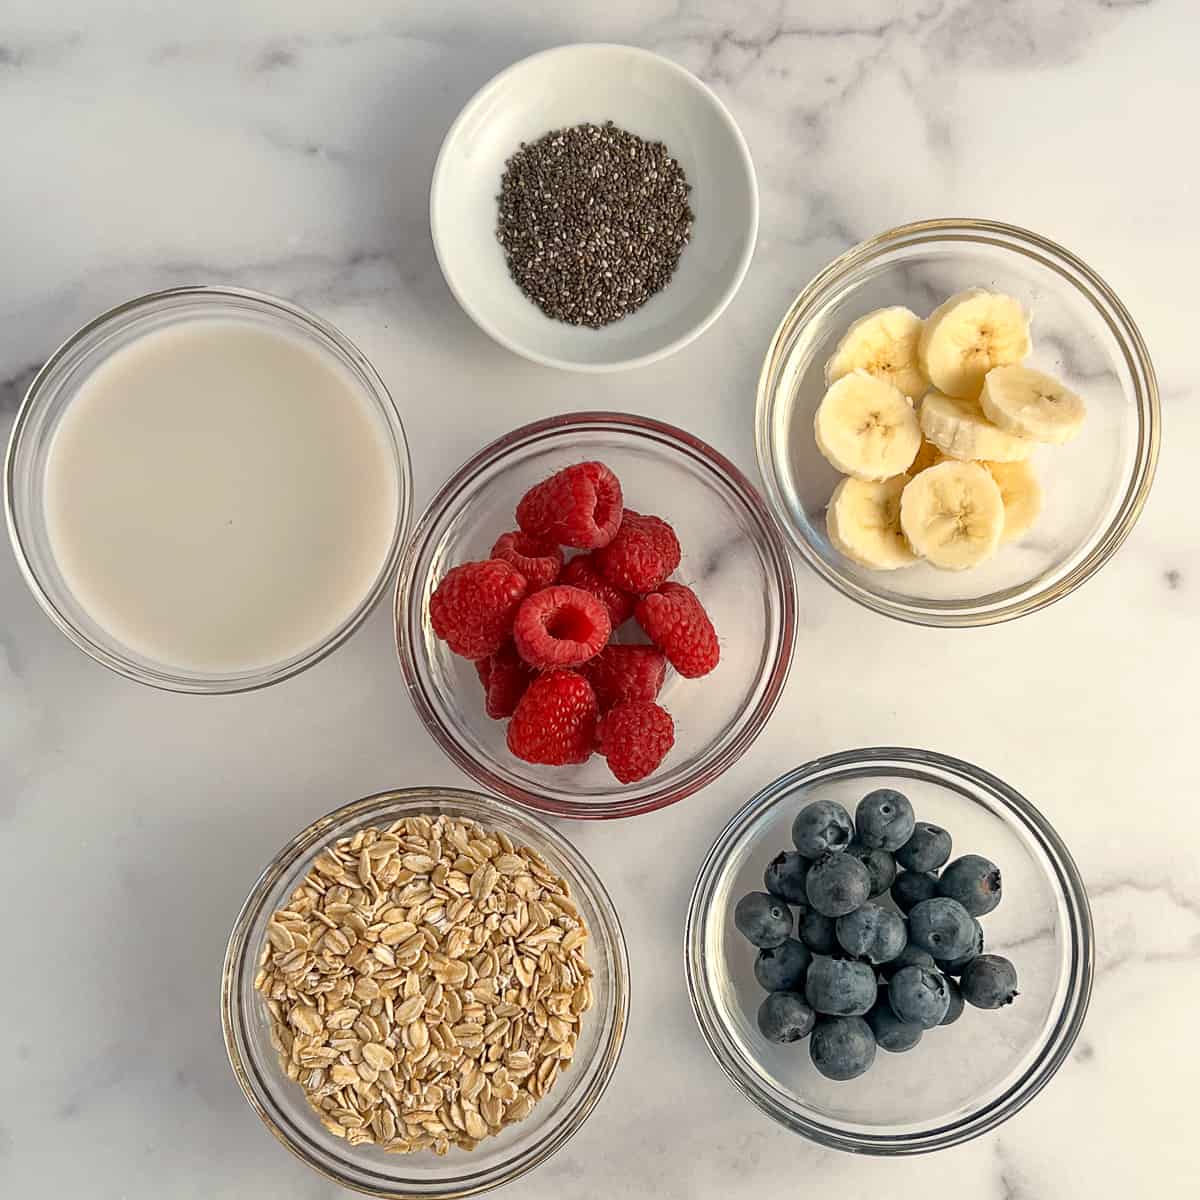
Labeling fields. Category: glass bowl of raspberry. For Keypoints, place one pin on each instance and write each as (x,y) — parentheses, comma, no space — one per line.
(710,645)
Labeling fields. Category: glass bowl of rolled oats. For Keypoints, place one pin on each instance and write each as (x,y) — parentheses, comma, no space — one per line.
(425,993)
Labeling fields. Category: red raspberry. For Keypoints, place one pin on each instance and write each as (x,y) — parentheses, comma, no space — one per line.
(675,621)
(504,677)
(555,722)
(561,626)
(642,555)
(539,562)
(635,737)
(581,572)
(620,673)
(580,506)
(473,607)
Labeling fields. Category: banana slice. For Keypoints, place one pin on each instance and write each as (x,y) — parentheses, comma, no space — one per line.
(928,456)
(884,344)
(968,335)
(1031,404)
(960,430)
(866,428)
(952,514)
(1021,494)
(863,520)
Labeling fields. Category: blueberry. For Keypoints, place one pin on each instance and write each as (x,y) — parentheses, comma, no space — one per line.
(837,884)
(989,981)
(784,1017)
(784,876)
(890,1032)
(942,926)
(910,956)
(884,819)
(872,934)
(839,987)
(919,995)
(821,826)
(956,1003)
(819,933)
(781,968)
(881,866)
(927,849)
(954,966)
(842,1047)
(764,920)
(911,887)
(974,882)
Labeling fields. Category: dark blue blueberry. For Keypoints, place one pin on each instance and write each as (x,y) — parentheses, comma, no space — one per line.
(881,866)
(837,884)
(839,987)
(890,1032)
(911,887)
(919,996)
(910,956)
(927,849)
(954,966)
(942,926)
(842,1047)
(762,919)
(784,876)
(821,826)
(974,882)
(781,968)
(784,1017)
(872,934)
(954,1011)
(819,933)
(884,819)
(989,981)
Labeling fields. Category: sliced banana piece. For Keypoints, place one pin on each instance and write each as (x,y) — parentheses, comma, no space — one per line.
(1031,404)
(863,520)
(968,335)
(1020,493)
(960,430)
(866,428)
(928,456)
(884,344)
(952,514)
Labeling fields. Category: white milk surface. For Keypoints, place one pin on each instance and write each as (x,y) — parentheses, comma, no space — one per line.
(219,495)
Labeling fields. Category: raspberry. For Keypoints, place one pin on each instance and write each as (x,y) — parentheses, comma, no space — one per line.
(675,621)
(504,677)
(561,626)
(473,607)
(580,506)
(555,722)
(635,737)
(620,673)
(641,556)
(581,572)
(539,562)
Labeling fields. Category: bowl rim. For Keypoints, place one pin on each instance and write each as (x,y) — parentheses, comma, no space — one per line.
(407,586)
(1014,239)
(374,388)
(240,959)
(1067,1021)
(618,364)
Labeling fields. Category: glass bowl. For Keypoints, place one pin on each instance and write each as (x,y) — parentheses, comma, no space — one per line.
(733,555)
(1095,487)
(51,394)
(497,1160)
(962,1080)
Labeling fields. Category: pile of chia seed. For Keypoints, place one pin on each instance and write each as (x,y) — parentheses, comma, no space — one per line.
(592,220)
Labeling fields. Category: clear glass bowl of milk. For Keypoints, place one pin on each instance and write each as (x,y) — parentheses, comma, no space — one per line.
(208,489)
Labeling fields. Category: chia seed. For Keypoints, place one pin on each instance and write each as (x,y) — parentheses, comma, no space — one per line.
(592,220)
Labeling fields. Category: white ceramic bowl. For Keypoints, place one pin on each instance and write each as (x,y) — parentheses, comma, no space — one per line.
(647,95)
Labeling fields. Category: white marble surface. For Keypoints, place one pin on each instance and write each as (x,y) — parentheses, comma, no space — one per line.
(287,147)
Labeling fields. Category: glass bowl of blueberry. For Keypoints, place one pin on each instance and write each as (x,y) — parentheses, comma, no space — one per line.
(889,951)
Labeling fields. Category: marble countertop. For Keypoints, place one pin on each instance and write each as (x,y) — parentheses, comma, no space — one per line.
(288,147)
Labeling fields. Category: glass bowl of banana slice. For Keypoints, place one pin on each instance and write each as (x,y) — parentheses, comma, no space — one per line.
(957,422)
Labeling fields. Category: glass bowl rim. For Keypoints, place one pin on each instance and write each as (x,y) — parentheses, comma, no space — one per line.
(481,806)
(202,683)
(1067,1020)
(495,452)
(1049,254)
